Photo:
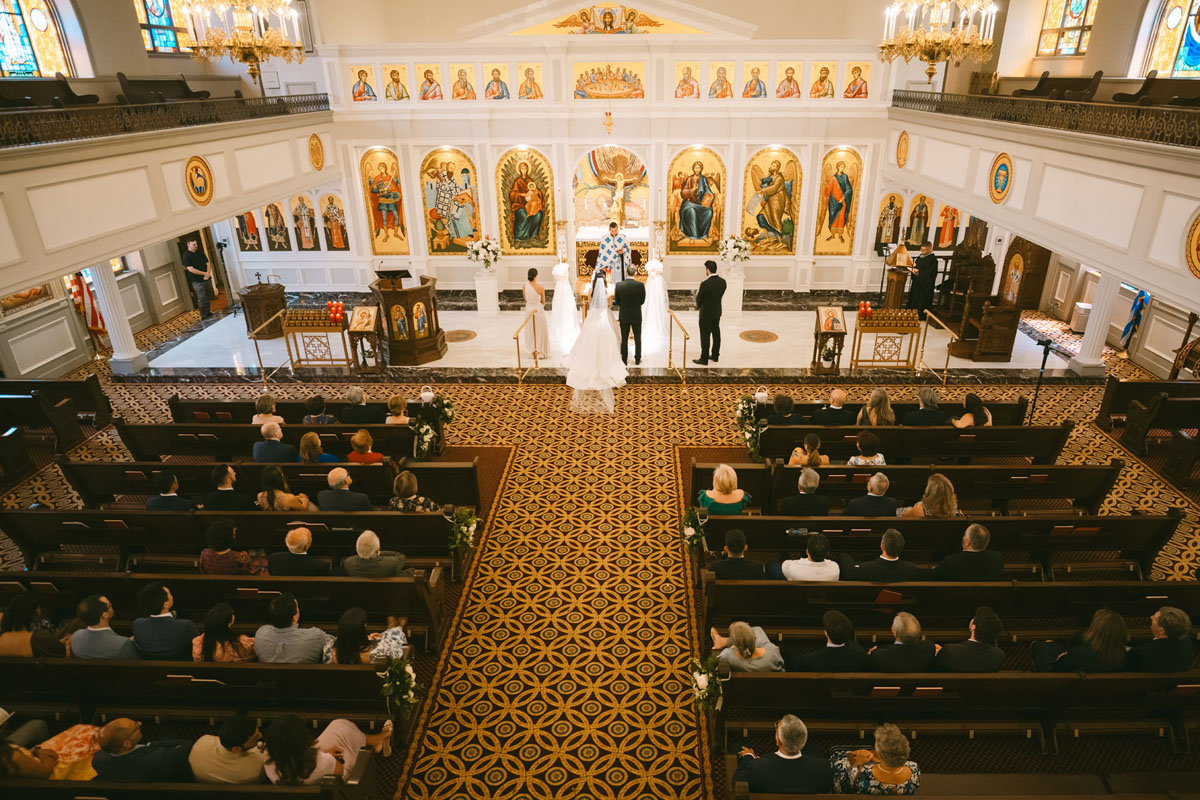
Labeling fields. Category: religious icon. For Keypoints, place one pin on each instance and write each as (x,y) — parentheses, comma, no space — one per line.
(1013,276)
(396,88)
(463,87)
(695,211)
(753,84)
(918,221)
(530,88)
(304,218)
(198,178)
(788,85)
(947,233)
(902,150)
(497,86)
(450,191)
(890,210)
(609,81)
(719,87)
(333,215)
(247,233)
(606,19)
(611,185)
(773,178)
(316,152)
(278,239)
(431,86)
(860,73)
(399,323)
(822,85)
(686,85)
(841,174)
(363,319)
(977,231)
(831,318)
(1001,178)
(524,178)
(420,321)
(363,88)
(380,172)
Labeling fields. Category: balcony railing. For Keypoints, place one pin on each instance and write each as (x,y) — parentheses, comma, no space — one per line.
(24,127)
(1158,124)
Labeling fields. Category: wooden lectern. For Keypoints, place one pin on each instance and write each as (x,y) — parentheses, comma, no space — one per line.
(412,329)
(898,264)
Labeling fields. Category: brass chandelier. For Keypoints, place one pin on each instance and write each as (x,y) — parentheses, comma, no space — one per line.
(934,31)
(248,32)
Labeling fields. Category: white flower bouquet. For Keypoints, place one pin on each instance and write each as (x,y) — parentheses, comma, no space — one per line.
(706,686)
(735,249)
(484,251)
(400,687)
(462,529)
(746,420)
(426,437)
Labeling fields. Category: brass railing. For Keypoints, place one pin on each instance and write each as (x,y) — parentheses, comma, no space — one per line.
(680,371)
(1158,124)
(34,126)
(517,338)
(253,336)
(954,337)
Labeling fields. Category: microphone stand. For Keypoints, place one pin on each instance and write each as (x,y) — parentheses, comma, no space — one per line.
(1045,344)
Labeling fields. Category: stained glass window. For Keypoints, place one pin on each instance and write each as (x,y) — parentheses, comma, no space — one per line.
(1067,27)
(160,33)
(1176,51)
(30,44)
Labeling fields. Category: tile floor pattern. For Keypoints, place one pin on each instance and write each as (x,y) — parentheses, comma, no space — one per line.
(1066,341)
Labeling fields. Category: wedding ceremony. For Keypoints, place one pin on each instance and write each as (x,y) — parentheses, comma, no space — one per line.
(685,399)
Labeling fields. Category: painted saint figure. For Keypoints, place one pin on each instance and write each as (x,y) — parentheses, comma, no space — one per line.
(839,193)
(362,92)
(385,187)
(496,89)
(755,86)
(949,227)
(399,322)
(889,217)
(774,195)
(697,200)
(430,89)
(720,88)
(420,321)
(395,90)
(831,321)
(305,220)
(527,204)
(335,224)
(918,221)
(687,86)
(822,86)
(857,88)
(277,232)
(788,87)
(462,88)
(248,233)
(529,89)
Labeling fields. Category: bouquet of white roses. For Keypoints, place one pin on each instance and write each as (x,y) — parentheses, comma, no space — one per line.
(692,529)
(426,437)
(400,685)
(706,686)
(747,423)
(735,249)
(484,251)
(462,531)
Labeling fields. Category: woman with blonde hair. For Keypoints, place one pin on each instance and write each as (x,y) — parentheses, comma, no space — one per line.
(747,649)
(809,454)
(878,409)
(725,497)
(264,407)
(311,452)
(939,500)
(397,410)
(884,770)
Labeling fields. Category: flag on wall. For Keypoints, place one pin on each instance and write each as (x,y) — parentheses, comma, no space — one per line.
(1140,301)
(85,304)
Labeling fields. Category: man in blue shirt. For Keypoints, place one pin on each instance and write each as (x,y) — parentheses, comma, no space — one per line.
(272,448)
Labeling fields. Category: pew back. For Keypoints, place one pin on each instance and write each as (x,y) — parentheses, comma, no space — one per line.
(1042,444)
(226,441)
(1004,412)
(197,411)
(1118,393)
(88,396)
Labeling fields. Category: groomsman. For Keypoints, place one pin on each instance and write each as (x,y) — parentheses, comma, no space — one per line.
(708,301)
(628,297)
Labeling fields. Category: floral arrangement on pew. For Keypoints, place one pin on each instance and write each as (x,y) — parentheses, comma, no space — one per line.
(462,529)
(745,418)
(400,689)
(484,251)
(691,529)
(426,440)
(735,249)
(434,413)
(706,685)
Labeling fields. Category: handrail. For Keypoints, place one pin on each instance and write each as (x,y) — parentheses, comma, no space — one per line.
(954,337)
(681,372)
(516,338)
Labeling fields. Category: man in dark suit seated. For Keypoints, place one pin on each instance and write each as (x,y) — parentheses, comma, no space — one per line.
(929,413)
(338,496)
(735,566)
(975,562)
(787,770)
(125,758)
(808,503)
(225,497)
(785,412)
(874,503)
(888,568)
(357,412)
(840,653)
(908,653)
(167,498)
(1171,648)
(978,653)
(836,412)
(272,448)
(296,562)
(158,635)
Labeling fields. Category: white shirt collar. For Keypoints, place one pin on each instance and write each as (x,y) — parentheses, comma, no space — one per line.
(164,614)
(889,558)
(831,644)
(781,754)
(98,628)
(169,494)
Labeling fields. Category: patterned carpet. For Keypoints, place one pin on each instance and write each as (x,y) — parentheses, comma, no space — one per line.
(1036,324)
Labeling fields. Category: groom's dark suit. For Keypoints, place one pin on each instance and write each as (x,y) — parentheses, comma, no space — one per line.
(628,297)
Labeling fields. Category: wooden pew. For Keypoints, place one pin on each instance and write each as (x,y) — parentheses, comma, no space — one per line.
(444,482)
(224,442)
(1004,412)
(1072,89)
(90,399)
(1137,538)
(753,478)
(355,786)
(1161,412)
(35,410)
(1118,394)
(15,462)
(242,411)
(1041,444)
(142,91)
(53,92)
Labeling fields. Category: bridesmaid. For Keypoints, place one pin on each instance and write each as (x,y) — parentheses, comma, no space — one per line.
(535,299)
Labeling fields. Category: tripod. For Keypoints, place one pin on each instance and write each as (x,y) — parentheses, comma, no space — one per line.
(1045,344)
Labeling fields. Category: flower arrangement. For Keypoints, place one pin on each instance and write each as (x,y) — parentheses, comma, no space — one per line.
(746,419)
(462,529)
(706,686)
(735,249)
(444,408)
(692,529)
(400,687)
(426,438)
(484,251)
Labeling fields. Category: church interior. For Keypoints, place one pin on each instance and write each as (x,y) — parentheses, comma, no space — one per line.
(560,400)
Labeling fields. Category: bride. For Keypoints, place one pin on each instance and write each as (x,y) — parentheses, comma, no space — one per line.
(594,365)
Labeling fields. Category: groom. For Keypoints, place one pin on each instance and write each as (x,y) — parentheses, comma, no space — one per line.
(628,297)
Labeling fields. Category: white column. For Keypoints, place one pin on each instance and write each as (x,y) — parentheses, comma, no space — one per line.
(1089,362)
(126,358)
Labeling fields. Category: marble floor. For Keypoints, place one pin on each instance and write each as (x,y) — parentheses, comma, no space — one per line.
(224,345)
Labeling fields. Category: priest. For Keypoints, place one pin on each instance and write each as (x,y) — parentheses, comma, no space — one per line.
(924,272)
(614,253)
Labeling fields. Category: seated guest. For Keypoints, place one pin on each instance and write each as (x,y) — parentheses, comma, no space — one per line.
(338,496)
(884,770)
(276,496)
(908,653)
(218,642)
(1100,648)
(405,497)
(357,412)
(98,639)
(354,645)
(264,407)
(232,756)
(840,653)
(928,413)
(878,410)
(125,758)
(975,415)
(225,497)
(66,756)
(272,449)
(978,653)
(875,503)
(785,412)
(397,410)
(360,449)
(747,649)
(816,567)
(939,500)
(888,568)
(868,451)
(725,497)
(296,562)
(314,412)
(168,498)
(809,453)
(219,558)
(311,452)
(975,562)
(371,562)
(735,566)
(808,503)
(22,633)
(158,635)
(1169,651)
(836,412)
(283,641)
(787,770)
(295,758)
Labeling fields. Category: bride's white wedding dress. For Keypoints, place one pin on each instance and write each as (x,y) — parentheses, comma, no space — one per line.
(594,366)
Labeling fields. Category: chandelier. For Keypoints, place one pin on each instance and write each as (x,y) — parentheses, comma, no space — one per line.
(934,31)
(248,32)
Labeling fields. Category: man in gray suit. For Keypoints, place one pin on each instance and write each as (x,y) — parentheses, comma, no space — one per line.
(98,639)
(371,562)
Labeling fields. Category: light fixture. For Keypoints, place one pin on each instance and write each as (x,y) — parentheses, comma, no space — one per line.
(248,31)
(934,31)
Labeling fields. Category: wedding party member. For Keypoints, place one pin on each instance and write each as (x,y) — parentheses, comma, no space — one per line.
(628,297)
(725,497)
(594,367)
(708,302)
(537,332)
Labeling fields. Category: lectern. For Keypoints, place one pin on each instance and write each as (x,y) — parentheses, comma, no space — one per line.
(412,329)
(898,264)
